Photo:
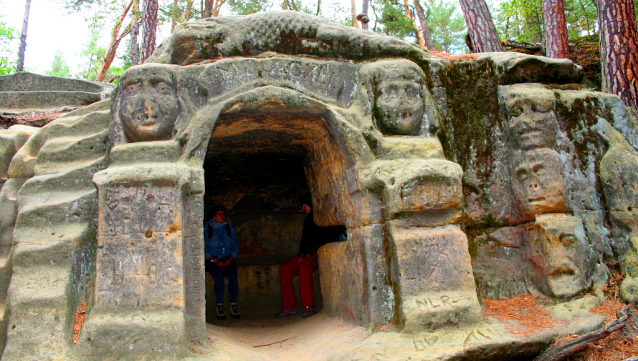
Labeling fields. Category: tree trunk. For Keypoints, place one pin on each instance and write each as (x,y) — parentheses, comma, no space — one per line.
(114,44)
(135,31)
(149,20)
(556,44)
(285,5)
(353,7)
(481,29)
(425,29)
(408,14)
(23,37)
(364,10)
(619,49)
(208,9)
(217,4)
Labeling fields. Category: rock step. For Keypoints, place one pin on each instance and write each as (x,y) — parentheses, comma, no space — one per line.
(71,149)
(53,246)
(43,100)
(57,207)
(82,122)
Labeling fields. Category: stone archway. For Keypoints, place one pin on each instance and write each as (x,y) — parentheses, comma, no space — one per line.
(259,161)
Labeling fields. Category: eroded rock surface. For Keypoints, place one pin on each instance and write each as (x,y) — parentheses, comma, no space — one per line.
(456,181)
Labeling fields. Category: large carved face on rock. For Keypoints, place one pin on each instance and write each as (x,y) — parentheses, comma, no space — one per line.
(399,106)
(534,129)
(565,254)
(538,183)
(149,106)
(397,95)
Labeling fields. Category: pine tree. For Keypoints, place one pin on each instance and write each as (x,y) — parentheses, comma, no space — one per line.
(59,67)
(481,29)
(619,49)
(556,44)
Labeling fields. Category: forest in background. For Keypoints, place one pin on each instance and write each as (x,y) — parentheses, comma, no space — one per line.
(448,26)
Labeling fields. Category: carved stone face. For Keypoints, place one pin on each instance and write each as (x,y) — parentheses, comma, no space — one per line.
(538,183)
(399,106)
(534,130)
(565,254)
(149,106)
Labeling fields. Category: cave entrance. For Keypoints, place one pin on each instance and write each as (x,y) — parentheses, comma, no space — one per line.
(259,163)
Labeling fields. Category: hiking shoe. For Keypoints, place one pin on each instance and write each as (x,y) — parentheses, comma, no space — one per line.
(286,312)
(221,314)
(234,311)
(308,311)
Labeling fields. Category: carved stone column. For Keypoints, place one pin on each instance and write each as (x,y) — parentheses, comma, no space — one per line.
(149,289)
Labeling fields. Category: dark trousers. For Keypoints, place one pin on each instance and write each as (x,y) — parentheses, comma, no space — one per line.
(304,268)
(218,274)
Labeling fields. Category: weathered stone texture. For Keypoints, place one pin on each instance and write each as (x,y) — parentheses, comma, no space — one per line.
(444,173)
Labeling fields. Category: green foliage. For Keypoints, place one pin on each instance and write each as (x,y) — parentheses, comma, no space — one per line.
(447,26)
(521,20)
(391,19)
(8,41)
(59,67)
(581,17)
(92,54)
(246,7)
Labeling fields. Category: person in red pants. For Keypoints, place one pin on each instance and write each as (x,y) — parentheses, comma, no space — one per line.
(304,264)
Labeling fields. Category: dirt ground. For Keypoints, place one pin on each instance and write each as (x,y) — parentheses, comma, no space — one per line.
(290,338)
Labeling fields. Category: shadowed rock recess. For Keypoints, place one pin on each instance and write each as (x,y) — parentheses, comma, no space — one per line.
(456,181)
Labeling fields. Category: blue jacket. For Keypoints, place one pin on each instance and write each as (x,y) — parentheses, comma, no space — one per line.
(220,244)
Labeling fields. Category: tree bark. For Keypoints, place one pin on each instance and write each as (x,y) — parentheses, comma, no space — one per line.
(353,7)
(208,9)
(364,10)
(114,44)
(556,44)
(135,31)
(23,37)
(408,14)
(149,20)
(481,29)
(425,29)
(619,49)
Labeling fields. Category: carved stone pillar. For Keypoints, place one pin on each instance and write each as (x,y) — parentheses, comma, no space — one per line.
(150,263)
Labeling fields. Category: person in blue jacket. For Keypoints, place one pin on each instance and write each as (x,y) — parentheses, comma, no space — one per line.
(221,249)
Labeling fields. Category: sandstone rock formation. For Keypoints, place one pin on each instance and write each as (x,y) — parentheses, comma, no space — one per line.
(456,181)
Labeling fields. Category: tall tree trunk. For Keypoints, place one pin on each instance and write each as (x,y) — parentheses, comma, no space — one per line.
(114,44)
(353,7)
(408,14)
(619,49)
(208,9)
(425,29)
(482,31)
(556,43)
(135,31)
(318,8)
(23,37)
(364,10)
(149,20)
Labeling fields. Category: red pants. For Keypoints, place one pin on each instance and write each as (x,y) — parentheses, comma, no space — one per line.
(288,271)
